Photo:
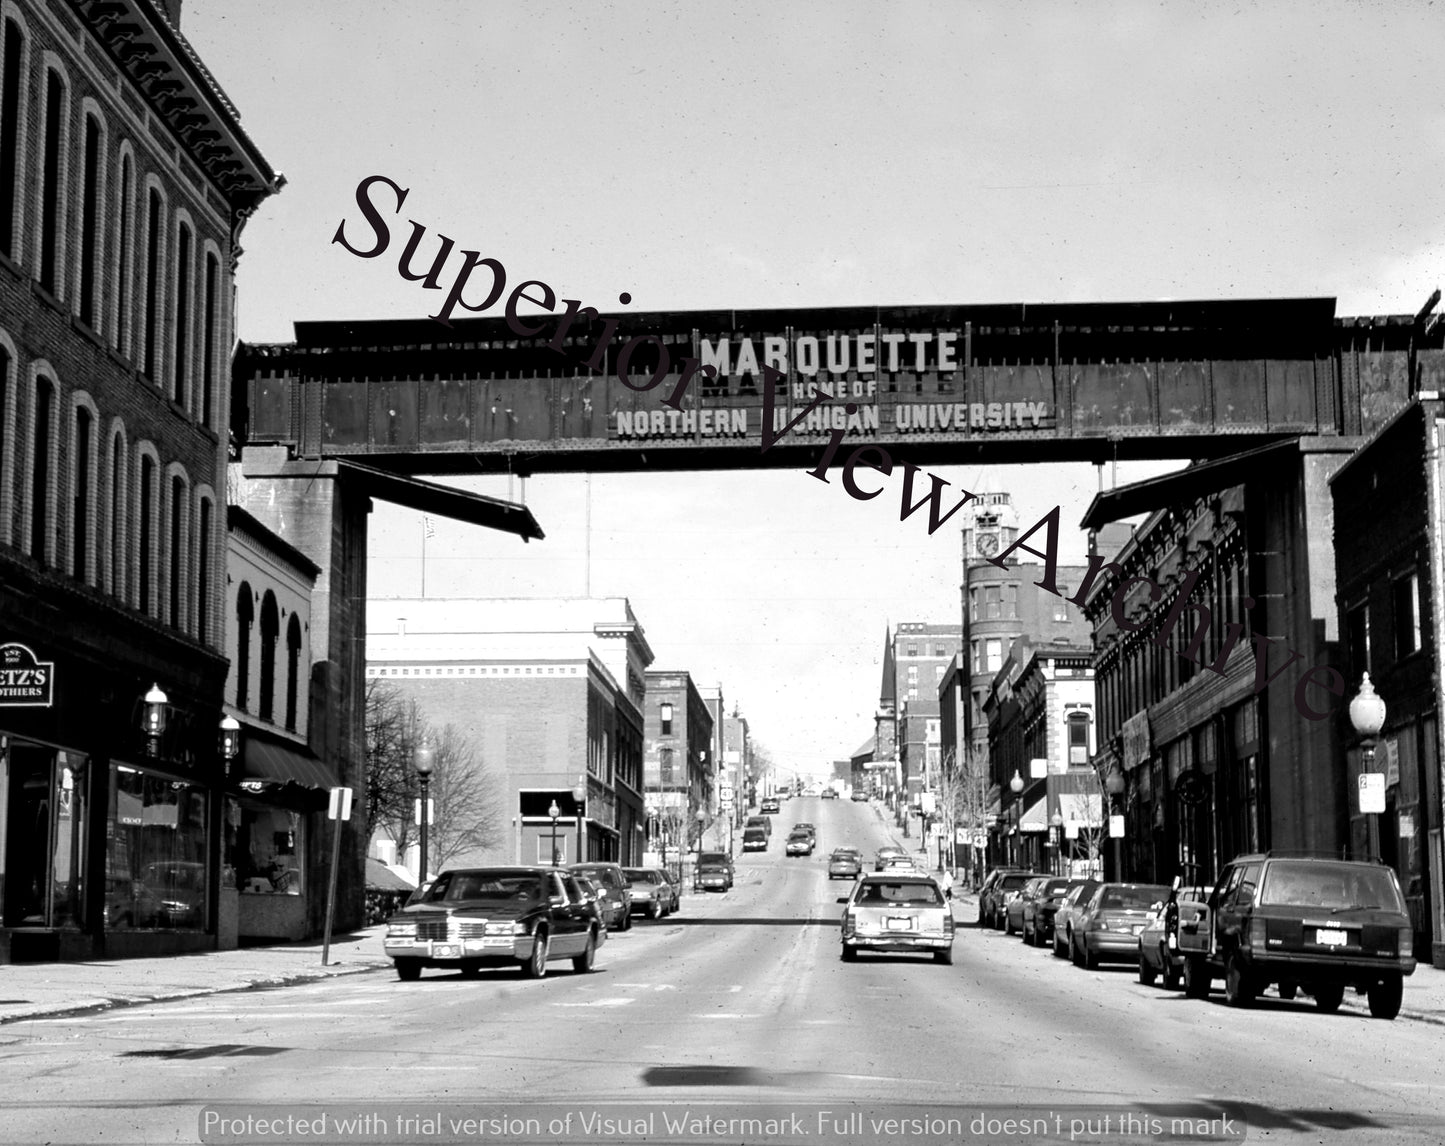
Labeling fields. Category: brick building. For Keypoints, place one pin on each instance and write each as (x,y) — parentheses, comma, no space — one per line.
(549,695)
(679,761)
(125,181)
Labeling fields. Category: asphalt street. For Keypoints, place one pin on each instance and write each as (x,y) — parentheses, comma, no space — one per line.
(741,998)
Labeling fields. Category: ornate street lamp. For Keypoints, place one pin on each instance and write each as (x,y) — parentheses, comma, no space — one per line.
(423,759)
(153,718)
(579,793)
(554,812)
(1015,785)
(1367,715)
(1056,824)
(230,741)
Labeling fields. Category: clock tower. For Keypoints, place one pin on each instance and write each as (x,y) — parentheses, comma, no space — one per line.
(991,526)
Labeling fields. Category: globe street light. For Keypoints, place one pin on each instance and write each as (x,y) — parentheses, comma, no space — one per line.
(554,812)
(423,759)
(1015,785)
(1367,715)
(1056,822)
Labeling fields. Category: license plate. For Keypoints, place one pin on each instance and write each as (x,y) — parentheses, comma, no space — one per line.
(444,951)
(1330,938)
(496,941)
(900,923)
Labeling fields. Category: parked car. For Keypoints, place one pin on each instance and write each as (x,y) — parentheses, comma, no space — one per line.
(1064,916)
(1036,916)
(612,886)
(994,900)
(1159,941)
(899,863)
(652,895)
(592,896)
(898,913)
(1107,925)
(1316,924)
(845,863)
(1013,916)
(859,796)
(884,854)
(800,843)
(473,918)
(714,871)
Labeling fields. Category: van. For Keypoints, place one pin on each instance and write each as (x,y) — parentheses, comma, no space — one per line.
(764,823)
(755,839)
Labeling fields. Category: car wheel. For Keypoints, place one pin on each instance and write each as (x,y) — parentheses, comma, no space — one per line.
(1008,924)
(654,911)
(850,954)
(1147,974)
(1059,952)
(1076,953)
(582,964)
(536,966)
(408,970)
(626,924)
(1288,990)
(1239,988)
(1385,997)
(1329,996)
(1171,973)
(945,956)
(1196,978)
(1091,960)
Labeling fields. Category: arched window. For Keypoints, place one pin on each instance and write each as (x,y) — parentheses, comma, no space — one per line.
(293,669)
(12,95)
(124,253)
(203,571)
(52,214)
(1078,723)
(210,333)
(176,557)
(113,564)
(7,409)
(81,478)
(42,445)
(150,325)
(245,613)
(146,536)
(181,348)
(270,631)
(89,301)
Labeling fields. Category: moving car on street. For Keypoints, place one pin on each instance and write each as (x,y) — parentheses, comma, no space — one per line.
(897,913)
(1316,924)
(845,863)
(770,806)
(859,796)
(474,918)
(714,872)
(800,843)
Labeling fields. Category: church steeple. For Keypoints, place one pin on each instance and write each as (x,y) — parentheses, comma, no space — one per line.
(888,693)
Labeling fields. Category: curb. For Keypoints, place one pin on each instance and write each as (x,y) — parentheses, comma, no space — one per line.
(71,1011)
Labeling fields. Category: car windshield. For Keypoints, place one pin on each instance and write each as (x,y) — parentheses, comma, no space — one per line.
(910,894)
(492,888)
(1336,886)
(1010,882)
(1055,887)
(712,859)
(641,876)
(1140,897)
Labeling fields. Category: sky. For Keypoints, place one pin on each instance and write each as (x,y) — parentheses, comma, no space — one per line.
(822,154)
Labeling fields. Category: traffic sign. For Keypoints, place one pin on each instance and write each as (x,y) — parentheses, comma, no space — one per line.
(1372,792)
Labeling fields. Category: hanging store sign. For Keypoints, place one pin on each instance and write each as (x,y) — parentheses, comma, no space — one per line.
(25,680)
(1135,735)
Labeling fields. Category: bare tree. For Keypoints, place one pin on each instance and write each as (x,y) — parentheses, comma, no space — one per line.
(467,807)
(391,781)
(963,795)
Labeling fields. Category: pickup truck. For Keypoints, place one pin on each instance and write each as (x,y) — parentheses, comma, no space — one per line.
(1315,924)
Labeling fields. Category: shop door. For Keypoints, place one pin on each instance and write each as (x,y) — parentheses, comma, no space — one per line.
(27,836)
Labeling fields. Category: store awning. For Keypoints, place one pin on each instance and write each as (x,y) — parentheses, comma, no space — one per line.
(263,759)
(1034,819)
(444,501)
(384,878)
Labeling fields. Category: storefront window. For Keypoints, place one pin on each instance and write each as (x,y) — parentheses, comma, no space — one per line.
(42,835)
(266,846)
(68,856)
(155,869)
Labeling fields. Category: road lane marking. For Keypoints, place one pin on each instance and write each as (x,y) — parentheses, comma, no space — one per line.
(598,1003)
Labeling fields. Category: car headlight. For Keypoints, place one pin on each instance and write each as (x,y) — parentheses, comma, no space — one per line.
(499,928)
(401,930)
(1096,925)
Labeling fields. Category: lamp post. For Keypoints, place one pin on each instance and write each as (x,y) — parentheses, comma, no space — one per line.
(579,793)
(1015,785)
(153,718)
(554,812)
(1114,786)
(1056,826)
(1367,715)
(230,741)
(423,759)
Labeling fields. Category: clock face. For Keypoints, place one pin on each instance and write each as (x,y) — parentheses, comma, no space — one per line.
(987,544)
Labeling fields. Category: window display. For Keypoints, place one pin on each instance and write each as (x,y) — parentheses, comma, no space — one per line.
(155,869)
(265,846)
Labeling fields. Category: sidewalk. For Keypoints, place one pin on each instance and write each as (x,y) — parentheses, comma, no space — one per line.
(1424,1000)
(30,990)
